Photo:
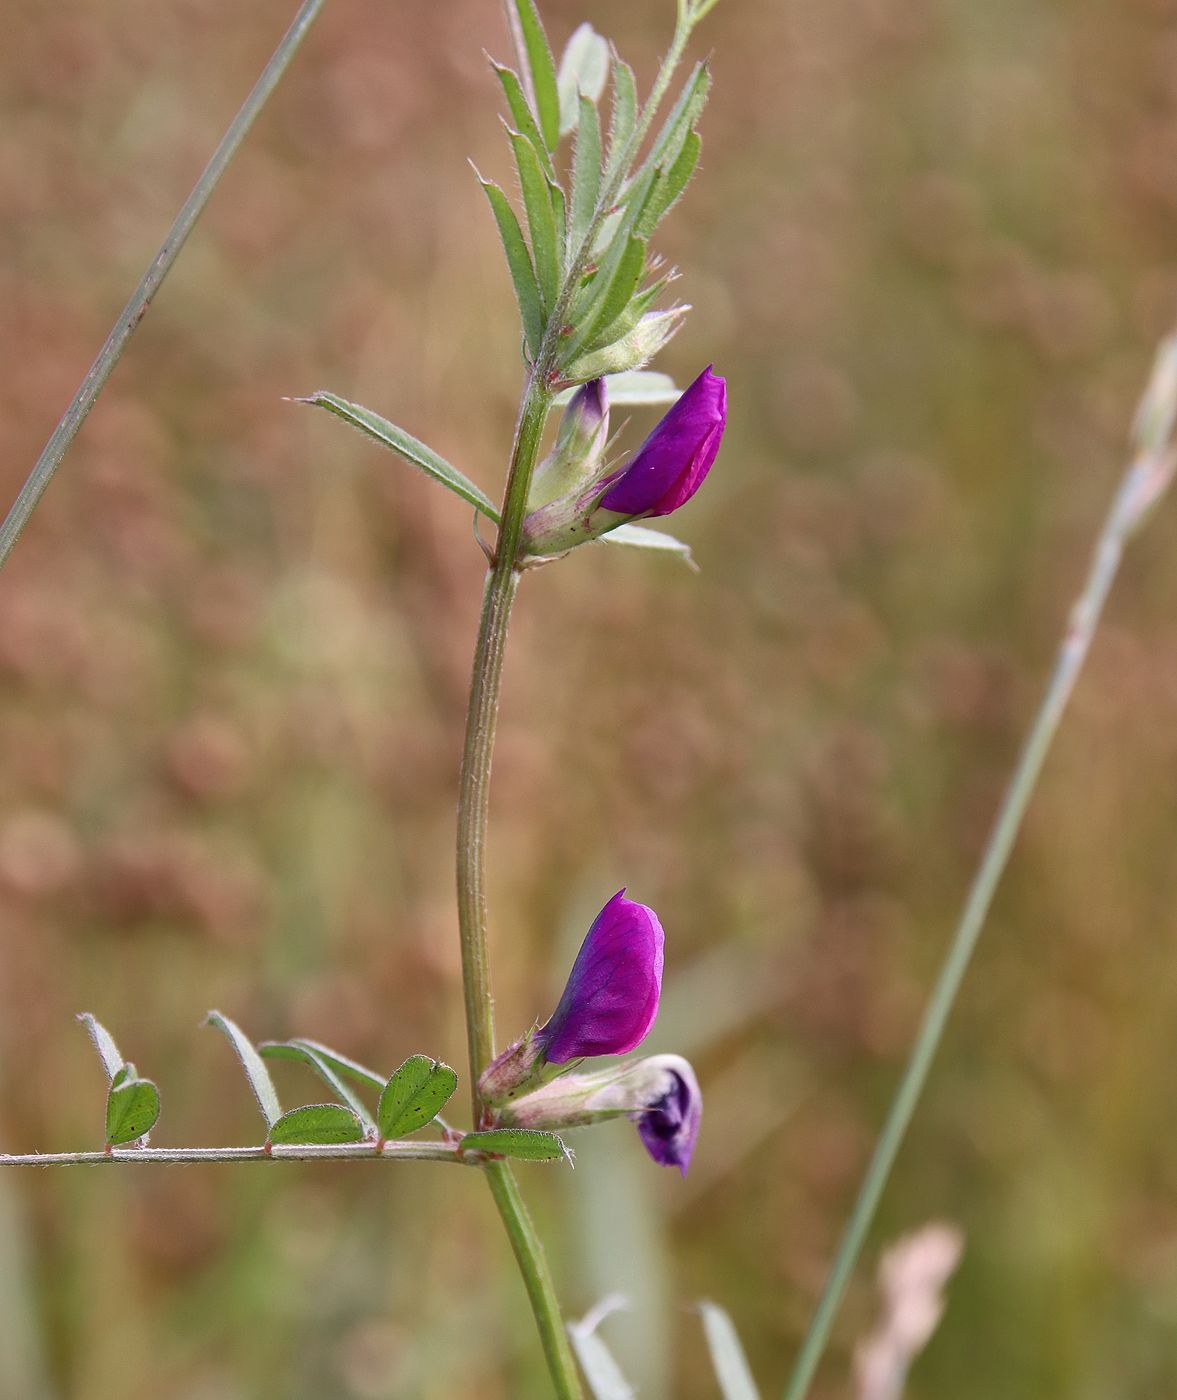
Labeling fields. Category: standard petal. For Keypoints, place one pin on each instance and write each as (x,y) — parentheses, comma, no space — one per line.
(611,998)
(674,460)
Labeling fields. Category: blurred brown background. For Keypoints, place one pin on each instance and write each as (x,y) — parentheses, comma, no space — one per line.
(931,247)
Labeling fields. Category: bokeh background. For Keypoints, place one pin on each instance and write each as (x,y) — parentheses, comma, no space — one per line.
(931,246)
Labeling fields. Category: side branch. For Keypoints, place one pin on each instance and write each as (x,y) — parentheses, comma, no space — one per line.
(286,1152)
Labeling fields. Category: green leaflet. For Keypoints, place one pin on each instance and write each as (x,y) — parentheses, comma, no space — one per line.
(309,1054)
(624,116)
(678,124)
(533,43)
(132,1104)
(404,445)
(617,329)
(522,116)
(320,1123)
(672,183)
(108,1051)
(586,172)
(251,1062)
(541,219)
(610,293)
(560,214)
(531,311)
(132,1107)
(528,1144)
(341,1064)
(414,1096)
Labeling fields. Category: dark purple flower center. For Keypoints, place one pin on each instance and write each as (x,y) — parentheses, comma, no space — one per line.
(669,1126)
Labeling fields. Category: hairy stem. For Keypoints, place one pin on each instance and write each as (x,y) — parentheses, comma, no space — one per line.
(541,1291)
(285,1152)
(478,750)
(481,716)
(473,814)
(135,309)
(1144,481)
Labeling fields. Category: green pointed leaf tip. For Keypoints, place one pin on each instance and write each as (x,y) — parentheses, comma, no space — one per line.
(727,1355)
(108,1051)
(404,445)
(584,68)
(307,1055)
(541,219)
(528,1144)
(541,67)
(316,1123)
(132,1107)
(522,117)
(527,295)
(253,1065)
(414,1096)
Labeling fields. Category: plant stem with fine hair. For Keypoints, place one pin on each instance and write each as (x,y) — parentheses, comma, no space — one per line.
(473,816)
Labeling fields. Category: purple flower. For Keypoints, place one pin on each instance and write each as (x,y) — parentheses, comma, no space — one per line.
(611,997)
(608,1006)
(664,474)
(669,1127)
(672,463)
(660,1093)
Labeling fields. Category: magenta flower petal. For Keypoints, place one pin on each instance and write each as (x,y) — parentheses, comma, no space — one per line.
(611,998)
(669,1127)
(672,463)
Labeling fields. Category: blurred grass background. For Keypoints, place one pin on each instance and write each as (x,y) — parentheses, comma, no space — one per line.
(931,247)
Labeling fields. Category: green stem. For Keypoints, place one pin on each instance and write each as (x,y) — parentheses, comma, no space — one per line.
(275,1152)
(473,814)
(541,1291)
(1122,520)
(474,787)
(135,309)
(481,718)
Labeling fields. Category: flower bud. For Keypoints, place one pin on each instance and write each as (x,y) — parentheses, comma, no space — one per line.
(576,458)
(664,474)
(672,463)
(660,1093)
(608,1005)
(632,351)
